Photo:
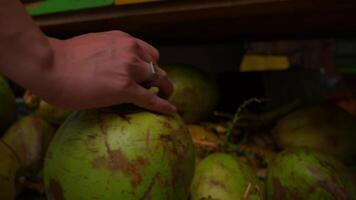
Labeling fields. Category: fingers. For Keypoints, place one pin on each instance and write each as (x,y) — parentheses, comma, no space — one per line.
(145,99)
(141,71)
(164,84)
(142,74)
(150,53)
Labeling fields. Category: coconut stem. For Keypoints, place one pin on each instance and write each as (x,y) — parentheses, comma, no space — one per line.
(255,120)
(267,117)
(247,192)
(238,115)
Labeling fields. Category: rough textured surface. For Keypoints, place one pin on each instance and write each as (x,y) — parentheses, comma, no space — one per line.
(7,105)
(325,128)
(9,165)
(29,138)
(195,95)
(118,154)
(221,177)
(306,174)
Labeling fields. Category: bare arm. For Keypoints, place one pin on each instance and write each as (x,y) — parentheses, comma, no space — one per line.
(24,50)
(92,70)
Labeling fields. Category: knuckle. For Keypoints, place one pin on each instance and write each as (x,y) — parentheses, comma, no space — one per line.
(134,46)
(126,83)
(131,44)
(133,59)
(151,101)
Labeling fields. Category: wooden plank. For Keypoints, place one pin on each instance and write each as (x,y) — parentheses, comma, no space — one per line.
(211,19)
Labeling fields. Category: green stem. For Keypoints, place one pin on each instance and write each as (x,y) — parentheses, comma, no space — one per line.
(238,115)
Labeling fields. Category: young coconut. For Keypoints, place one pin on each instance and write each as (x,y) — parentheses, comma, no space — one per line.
(121,153)
(9,165)
(328,129)
(307,174)
(29,138)
(195,95)
(221,176)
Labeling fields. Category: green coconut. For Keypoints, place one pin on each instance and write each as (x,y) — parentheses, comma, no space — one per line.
(195,95)
(9,165)
(328,129)
(41,108)
(307,174)
(29,138)
(221,177)
(7,105)
(112,154)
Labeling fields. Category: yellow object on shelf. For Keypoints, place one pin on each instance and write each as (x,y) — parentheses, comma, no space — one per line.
(124,2)
(255,62)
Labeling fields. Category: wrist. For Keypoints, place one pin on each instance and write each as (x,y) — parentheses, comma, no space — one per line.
(24,56)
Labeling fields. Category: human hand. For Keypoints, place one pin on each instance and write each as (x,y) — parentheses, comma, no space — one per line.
(103,69)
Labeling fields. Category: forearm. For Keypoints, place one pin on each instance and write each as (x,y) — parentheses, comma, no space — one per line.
(24,49)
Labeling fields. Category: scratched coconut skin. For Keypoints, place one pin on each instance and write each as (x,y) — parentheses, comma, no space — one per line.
(307,174)
(109,154)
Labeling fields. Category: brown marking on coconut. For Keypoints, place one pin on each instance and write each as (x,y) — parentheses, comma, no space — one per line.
(177,173)
(116,161)
(90,143)
(217,184)
(168,144)
(124,117)
(103,127)
(92,136)
(332,188)
(147,194)
(56,191)
(279,191)
(326,164)
(165,122)
(222,165)
(162,182)
(175,145)
(315,171)
(166,138)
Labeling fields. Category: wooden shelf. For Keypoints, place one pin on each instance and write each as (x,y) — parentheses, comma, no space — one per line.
(211,20)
